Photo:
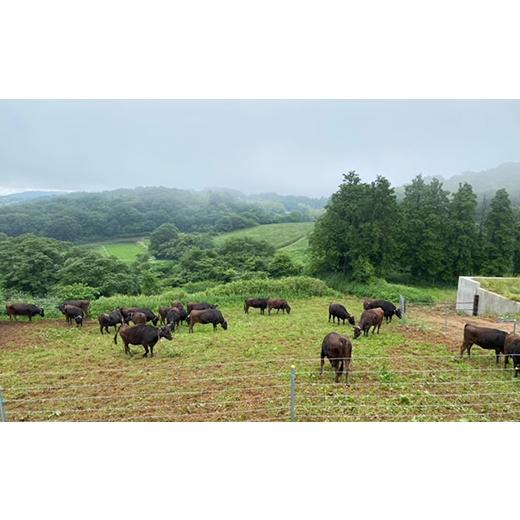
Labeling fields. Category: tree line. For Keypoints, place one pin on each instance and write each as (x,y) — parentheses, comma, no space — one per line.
(429,235)
(40,266)
(84,217)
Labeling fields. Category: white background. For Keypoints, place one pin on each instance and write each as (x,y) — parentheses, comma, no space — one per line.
(268,49)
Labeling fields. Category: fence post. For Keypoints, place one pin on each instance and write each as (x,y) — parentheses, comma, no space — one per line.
(402,307)
(293,393)
(446,317)
(3,417)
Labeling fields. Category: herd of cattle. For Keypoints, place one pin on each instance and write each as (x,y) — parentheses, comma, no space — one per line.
(335,347)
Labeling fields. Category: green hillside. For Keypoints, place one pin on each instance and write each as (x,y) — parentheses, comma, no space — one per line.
(293,238)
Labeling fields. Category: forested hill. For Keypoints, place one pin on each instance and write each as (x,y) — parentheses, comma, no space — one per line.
(487,182)
(81,217)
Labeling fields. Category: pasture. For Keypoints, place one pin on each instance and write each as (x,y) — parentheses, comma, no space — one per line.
(289,237)
(125,250)
(410,372)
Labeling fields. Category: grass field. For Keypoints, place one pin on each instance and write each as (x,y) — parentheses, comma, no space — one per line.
(409,372)
(508,287)
(125,250)
(291,237)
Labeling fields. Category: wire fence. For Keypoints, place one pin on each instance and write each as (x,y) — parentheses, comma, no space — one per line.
(397,386)
(267,390)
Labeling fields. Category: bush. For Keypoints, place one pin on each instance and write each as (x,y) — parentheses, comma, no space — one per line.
(75,291)
(381,289)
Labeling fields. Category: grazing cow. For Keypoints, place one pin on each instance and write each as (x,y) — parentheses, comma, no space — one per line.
(278,305)
(512,349)
(74,314)
(162,313)
(128,311)
(338,350)
(336,310)
(144,335)
(110,319)
(388,307)
(82,304)
(213,316)
(138,318)
(369,318)
(23,309)
(256,303)
(182,311)
(484,337)
(199,306)
(173,318)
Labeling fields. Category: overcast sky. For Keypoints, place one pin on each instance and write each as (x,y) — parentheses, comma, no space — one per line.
(291,147)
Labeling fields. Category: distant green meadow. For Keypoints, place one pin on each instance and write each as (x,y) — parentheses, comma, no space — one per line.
(291,238)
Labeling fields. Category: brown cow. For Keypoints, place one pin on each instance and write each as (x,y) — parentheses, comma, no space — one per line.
(512,349)
(213,316)
(370,318)
(484,337)
(278,305)
(338,350)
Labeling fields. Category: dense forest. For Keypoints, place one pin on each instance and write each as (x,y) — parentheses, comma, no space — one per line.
(83,217)
(428,236)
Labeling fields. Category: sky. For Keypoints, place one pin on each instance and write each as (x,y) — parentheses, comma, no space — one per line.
(290,147)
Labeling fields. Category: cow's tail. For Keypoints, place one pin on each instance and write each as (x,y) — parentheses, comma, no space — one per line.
(117,332)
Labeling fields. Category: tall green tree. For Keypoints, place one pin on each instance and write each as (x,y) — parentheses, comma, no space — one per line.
(499,227)
(425,214)
(359,227)
(516,255)
(462,233)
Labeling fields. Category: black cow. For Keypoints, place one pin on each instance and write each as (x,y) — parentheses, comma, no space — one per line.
(82,304)
(336,310)
(213,316)
(199,306)
(182,311)
(74,314)
(338,350)
(144,335)
(512,349)
(23,309)
(128,311)
(173,318)
(484,337)
(388,307)
(256,303)
(110,319)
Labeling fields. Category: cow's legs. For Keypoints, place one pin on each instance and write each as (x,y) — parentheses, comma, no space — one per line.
(322,363)
(145,350)
(465,346)
(506,361)
(151,350)
(497,353)
(347,365)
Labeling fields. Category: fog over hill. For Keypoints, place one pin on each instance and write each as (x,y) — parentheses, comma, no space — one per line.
(487,182)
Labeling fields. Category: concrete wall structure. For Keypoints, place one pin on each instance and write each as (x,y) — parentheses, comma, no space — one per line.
(489,302)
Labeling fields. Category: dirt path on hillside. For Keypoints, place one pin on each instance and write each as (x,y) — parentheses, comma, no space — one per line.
(449,327)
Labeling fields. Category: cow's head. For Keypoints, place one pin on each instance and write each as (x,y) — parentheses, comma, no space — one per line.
(224,324)
(288,308)
(41,312)
(357,332)
(398,313)
(166,333)
(351,320)
(78,319)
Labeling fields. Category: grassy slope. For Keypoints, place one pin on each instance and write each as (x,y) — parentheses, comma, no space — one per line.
(291,237)
(52,372)
(508,287)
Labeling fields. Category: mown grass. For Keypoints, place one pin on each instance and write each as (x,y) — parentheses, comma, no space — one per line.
(50,371)
(290,237)
(126,250)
